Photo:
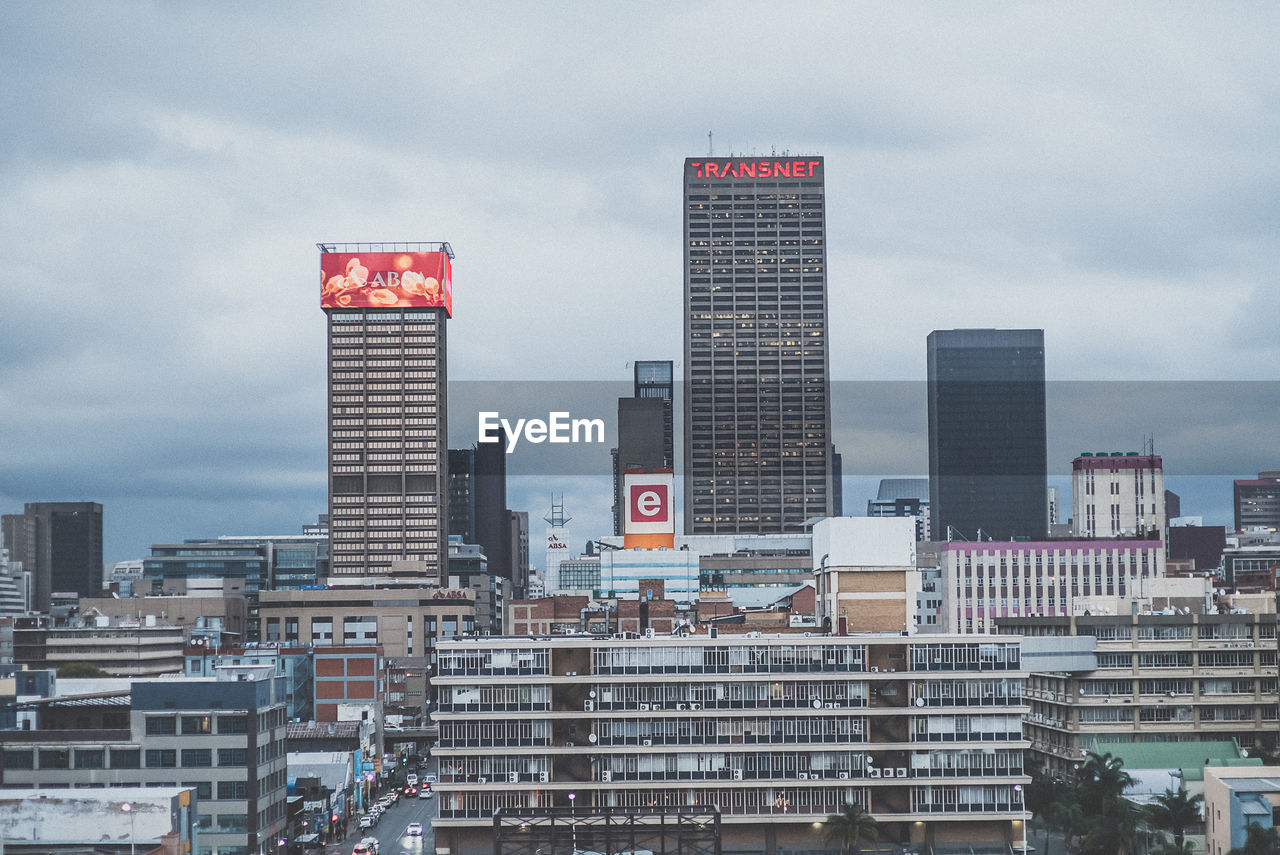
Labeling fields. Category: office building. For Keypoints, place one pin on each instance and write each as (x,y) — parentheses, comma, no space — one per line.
(60,544)
(125,820)
(987,454)
(519,552)
(209,568)
(655,380)
(1236,798)
(903,497)
(984,581)
(778,731)
(1115,494)
(477,511)
(224,737)
(1257,502)
(1147,677)
(757,409)
(866,574)
(387,307)
(640,445)
(405,621)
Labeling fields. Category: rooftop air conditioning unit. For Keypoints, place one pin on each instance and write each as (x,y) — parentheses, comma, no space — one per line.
(589,706)
(482,780)
(873,772)
(844,776)
(646,742)
(804,776)
(831,706)
(695,706)
(655,706)
(902,771)
(514,777)
(644,708)
(679,706)
(544,776)
(737,774)
(606,775)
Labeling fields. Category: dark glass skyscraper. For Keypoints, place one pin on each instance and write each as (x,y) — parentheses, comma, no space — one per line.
(757,429)
(60,544)
(646,427)
(987,452)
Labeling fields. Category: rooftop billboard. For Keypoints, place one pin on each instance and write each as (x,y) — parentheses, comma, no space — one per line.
(386,280)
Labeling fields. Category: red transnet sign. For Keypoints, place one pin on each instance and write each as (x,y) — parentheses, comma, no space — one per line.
(386,280)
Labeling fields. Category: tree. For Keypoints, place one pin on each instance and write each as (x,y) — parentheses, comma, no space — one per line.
(850,826)
(1175,812)
(1115,831)
(1102,781)
(1183,848)
(1258,841)
(1065,816)
(80,669)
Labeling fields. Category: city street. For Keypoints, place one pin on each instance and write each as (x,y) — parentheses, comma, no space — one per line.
(391,830)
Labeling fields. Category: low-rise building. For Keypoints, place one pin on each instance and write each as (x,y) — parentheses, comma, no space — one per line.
(115,820)
(223,737)
(1236,798)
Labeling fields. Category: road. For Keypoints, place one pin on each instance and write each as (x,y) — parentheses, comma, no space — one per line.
(391,830)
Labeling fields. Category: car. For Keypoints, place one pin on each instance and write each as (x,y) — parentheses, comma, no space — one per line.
(430,779)
(411,779)
(368,821)
(414,829)
(394,796)
(425,793)
(372,844)
(410,791)
(361,849)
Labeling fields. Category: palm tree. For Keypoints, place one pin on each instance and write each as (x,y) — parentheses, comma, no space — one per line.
(1102,781)
(1258,841)
(850,826)
(1175,812)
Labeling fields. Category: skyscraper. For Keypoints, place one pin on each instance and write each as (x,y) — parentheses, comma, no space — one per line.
(757,410)
(478,512)
(987,454)
(387,305)
(60,544)
(656,379)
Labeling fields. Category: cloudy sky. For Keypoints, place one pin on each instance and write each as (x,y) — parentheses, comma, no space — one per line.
(1106,174)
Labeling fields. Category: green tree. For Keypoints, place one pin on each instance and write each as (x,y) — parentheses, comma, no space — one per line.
(1066,817)
(1102,781)
(851,826)
(80,669)
(1174,812)
(1258,841)
(1117,830)
(1183,848)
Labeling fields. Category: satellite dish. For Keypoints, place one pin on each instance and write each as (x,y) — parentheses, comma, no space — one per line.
(817,705)
(919,702)
(591,737)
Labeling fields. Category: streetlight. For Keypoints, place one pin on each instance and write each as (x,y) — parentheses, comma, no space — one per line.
(573,822)
(1022,798)
(128,808)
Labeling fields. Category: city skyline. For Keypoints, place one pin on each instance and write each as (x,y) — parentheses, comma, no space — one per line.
(1036,172)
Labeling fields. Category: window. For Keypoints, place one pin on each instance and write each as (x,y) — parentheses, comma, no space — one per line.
(125,758)
(197,757)
(90,758)
(161,726)
(197,724)
(204,789)
(233,790)
(161,758)
(232,724)
(18,760)
(54,759)
(231,756)
(233,822)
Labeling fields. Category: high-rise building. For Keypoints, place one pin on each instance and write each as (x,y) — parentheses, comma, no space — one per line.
(519,551)
(903,497)
(60,544)
(1114,494)
(656,379)
(1257,502)
(987,434)
(387,307)
(757,410)
(478,510)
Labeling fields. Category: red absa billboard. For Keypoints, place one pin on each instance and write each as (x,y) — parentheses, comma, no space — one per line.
(386,280)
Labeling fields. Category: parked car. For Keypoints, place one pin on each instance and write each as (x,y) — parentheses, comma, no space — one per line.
(414,829)
(425,793)
(372,843)
(368,821)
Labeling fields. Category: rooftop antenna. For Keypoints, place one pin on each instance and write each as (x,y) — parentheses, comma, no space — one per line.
(711,149)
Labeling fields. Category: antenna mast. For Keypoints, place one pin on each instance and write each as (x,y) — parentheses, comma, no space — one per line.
(711,149)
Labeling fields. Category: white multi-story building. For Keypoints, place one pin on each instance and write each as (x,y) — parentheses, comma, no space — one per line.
(990,579)
(1115,495)
(777,731)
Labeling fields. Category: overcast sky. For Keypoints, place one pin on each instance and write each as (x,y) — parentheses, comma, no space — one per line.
(1108,174)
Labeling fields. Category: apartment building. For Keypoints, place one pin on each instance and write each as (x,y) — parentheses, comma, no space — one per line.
(1150,677)
(224,737)
(778,731)
(1117,493)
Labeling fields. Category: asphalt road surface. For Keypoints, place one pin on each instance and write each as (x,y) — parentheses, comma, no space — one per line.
(390,831)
